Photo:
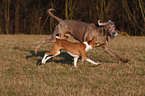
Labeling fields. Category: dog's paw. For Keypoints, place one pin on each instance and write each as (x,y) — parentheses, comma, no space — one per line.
(43,61)
(124,60)
(35,52)
(97,63)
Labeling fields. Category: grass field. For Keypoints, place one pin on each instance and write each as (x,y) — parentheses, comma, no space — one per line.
(20,75)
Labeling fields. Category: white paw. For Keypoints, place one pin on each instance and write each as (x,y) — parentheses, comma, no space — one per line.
(43,61)
(97,63)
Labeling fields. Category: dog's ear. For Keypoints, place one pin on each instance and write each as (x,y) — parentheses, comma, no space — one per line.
(58,34)
(93,38)
(88,39)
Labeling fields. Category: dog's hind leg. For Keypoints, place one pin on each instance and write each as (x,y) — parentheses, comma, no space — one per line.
(49,55)
(54,52)
(42,43)
(56,31)
(45,57)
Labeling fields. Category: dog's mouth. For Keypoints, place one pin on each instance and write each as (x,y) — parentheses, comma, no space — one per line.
(112,36)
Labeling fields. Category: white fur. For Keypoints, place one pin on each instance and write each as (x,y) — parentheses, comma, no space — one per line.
(88,47)
(91,61)
(116,34)
(75,61)
(75,58)
(57,37)
(45,59)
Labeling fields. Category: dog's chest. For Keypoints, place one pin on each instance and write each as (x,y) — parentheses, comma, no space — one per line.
(88,47)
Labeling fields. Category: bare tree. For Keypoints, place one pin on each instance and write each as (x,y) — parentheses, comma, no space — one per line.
(69,6)
(32,17)
(102,8)
(7,15)
(52,22)
(135,12)
(17,16)
(1,17)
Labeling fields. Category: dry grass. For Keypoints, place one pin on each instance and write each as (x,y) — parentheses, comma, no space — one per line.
(20,75)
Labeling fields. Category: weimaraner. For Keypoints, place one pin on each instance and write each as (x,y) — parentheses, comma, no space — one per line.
(80,31)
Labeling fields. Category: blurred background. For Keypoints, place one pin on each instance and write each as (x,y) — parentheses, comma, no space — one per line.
(30,16)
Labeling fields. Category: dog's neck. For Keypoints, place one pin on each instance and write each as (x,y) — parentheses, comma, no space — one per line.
(88,47)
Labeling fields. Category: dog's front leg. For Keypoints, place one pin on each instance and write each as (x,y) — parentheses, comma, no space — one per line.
(84,57)
(91,61)
(109,50)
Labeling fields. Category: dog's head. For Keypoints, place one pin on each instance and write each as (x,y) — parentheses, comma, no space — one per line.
(110,26)
(91,42)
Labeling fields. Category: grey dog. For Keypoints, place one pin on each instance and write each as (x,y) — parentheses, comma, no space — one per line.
(80,31)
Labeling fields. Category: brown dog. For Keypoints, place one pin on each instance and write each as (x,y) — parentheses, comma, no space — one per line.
(74,49)
(80,31)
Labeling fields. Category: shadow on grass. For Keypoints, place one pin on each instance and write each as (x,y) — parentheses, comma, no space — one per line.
(64,57)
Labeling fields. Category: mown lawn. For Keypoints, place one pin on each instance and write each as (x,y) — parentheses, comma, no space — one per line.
(20,74)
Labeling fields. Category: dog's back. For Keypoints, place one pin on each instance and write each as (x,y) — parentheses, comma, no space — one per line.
(74,49)
(69,46)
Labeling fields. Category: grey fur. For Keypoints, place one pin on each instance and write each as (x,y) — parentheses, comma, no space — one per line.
(80,31)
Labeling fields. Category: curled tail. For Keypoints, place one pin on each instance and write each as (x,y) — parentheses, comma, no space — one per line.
(55,17)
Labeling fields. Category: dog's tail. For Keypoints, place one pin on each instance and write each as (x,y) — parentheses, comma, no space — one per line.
(55,17)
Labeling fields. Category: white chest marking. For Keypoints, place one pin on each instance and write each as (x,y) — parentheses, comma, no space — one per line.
(88,47)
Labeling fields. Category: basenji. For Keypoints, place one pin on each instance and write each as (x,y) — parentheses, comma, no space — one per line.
(74,49)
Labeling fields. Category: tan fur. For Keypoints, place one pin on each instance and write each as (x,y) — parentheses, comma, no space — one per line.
(80,30)
(74,49)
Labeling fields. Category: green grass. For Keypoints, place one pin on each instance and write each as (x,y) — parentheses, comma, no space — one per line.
(20,75)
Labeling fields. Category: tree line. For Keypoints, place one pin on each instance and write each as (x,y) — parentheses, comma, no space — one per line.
(30,16)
